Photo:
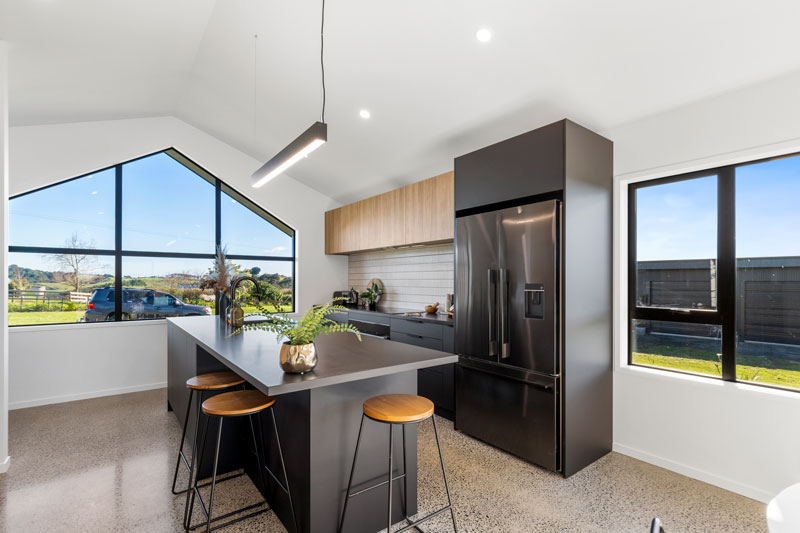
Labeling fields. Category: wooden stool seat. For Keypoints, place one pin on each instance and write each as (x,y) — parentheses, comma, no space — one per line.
(214,381)
(398,408)
(237,403)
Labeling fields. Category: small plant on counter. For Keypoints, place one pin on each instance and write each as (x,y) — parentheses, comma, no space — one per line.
(309,326)
(372,294)
(298,353)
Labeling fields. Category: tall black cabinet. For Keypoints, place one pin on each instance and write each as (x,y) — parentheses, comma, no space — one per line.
(568,162)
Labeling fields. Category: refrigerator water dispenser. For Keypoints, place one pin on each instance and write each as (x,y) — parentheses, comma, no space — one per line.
(534,301)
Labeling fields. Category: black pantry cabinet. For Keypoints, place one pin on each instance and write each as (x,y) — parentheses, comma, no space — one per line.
(566,162)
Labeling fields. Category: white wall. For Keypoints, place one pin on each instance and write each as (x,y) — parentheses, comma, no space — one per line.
(133,356)
(62,363)
(4,460)
(740,437)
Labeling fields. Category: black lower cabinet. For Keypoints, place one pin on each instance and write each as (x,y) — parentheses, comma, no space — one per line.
(436,383)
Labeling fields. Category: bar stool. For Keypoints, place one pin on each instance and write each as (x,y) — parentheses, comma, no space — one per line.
(249,403)
(400,409)
(204,382)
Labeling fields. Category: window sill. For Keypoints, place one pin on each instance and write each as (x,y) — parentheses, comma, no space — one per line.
(707,382)
(85,325)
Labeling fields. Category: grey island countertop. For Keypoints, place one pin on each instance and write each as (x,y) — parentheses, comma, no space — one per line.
(342,358)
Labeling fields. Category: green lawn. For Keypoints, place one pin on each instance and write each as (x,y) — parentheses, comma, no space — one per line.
(254,309)
(29,318)
(44,317)
(771,371)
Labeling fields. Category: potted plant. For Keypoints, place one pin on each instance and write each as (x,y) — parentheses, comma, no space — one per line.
(372,295)
(298,352)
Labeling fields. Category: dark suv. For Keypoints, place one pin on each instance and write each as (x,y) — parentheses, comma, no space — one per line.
(138,304)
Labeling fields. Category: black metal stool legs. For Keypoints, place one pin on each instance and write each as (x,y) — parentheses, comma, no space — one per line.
(194,474)
(352,471)
(181,456)
(389,482)
(444,474)
(412,524)
(283,467)
(405,477)
(261,465)
(213,476)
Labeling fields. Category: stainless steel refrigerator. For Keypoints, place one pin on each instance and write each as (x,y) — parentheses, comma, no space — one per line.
(507,329)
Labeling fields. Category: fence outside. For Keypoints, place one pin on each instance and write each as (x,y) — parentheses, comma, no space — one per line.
(767,296)
(43,296)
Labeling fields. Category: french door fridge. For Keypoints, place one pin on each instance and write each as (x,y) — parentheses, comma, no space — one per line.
(508,292)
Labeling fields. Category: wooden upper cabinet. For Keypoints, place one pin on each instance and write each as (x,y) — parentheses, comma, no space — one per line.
(429,209)
(418,213)
(342,229)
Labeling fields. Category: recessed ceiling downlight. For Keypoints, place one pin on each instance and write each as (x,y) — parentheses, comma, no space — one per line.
(484,35)
(365,114)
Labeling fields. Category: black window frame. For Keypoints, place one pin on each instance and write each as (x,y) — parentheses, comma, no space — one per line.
(725,313)
(118,252)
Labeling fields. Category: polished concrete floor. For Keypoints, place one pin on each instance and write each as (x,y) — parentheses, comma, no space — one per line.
(106,465)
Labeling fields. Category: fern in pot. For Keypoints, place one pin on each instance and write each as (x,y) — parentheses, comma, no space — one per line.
(298,352)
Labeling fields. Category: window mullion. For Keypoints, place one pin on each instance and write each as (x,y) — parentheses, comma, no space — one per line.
(726,268)
(218,213)
(631,267)
(118,244)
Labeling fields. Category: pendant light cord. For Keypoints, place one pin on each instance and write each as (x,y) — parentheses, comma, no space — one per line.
(255,84)
(322,57)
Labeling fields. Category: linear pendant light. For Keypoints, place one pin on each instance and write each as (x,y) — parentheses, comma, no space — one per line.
(307,142)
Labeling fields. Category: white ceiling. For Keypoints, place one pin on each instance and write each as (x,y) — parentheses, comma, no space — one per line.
(433,90)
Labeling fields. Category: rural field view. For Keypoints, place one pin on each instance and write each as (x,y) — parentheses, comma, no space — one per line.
(60,295)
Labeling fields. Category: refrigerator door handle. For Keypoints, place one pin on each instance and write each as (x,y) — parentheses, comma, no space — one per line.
(492,303)
(505,347)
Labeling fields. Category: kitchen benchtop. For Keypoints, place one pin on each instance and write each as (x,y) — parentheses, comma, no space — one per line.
(395,312)
(255,355)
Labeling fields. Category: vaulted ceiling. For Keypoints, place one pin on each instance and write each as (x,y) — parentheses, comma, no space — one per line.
(433,90)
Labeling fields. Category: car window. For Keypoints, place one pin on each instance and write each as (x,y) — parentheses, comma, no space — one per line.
(162,299)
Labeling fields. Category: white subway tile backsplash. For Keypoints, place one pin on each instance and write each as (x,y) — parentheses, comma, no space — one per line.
(412,277)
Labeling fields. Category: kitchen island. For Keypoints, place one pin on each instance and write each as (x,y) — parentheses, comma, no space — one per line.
(318,416)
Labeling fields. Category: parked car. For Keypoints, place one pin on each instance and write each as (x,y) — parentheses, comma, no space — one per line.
(139,304)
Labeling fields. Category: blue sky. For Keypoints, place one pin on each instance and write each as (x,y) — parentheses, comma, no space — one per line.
(678,220)
(166,208)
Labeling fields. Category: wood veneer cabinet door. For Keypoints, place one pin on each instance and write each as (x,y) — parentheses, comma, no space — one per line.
(342,233)
(349,227)
(333,243)
(391,219)
(429,209)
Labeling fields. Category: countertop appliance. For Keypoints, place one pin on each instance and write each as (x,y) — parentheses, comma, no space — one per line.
(507,329)
(533,275)
(350,297)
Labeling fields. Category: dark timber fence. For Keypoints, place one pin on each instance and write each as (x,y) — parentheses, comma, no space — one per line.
(767,296)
